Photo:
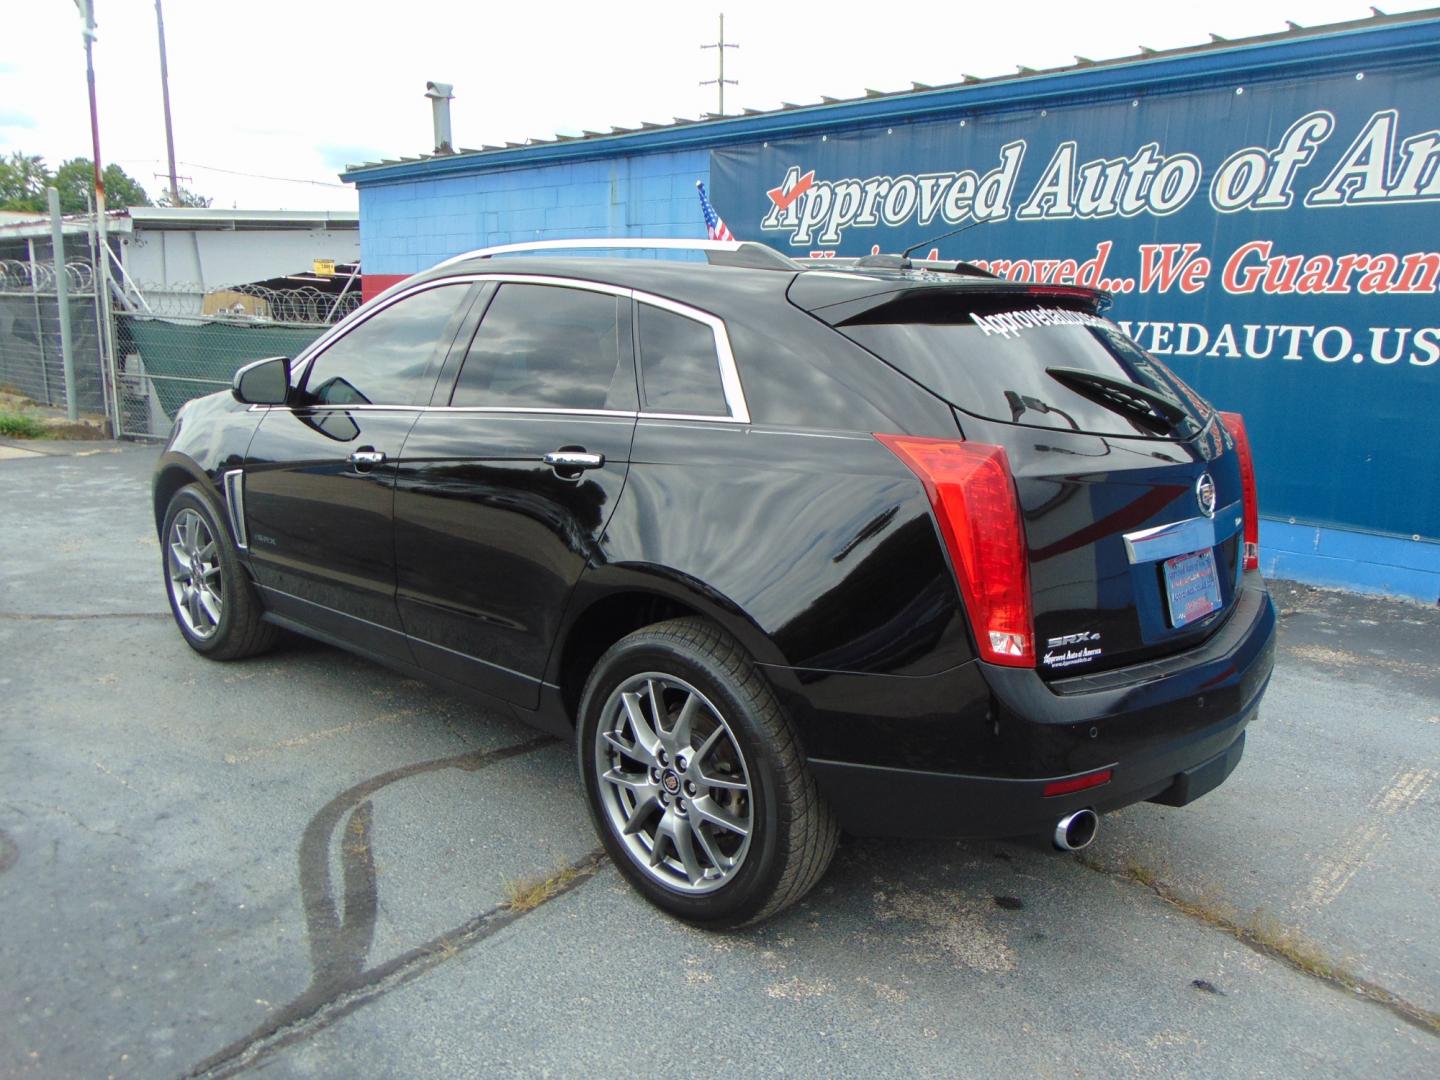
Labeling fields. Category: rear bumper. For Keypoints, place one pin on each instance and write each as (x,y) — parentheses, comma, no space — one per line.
(877,801)
(1170,730)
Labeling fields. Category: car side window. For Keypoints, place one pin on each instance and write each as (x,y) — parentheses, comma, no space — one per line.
(549,346)
(679,367)
(386,359)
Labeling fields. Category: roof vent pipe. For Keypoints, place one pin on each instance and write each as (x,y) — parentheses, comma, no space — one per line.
(440,94)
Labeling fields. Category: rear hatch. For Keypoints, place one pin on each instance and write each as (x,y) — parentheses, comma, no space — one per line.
(1130,491)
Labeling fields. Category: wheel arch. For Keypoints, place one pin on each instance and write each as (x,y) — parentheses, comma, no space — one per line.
(172,473)
(608,606)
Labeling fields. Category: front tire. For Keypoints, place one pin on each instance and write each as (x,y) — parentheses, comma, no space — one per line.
(211,597)
(695,778)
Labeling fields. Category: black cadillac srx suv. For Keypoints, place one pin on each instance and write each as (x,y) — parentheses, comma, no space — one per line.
(786,549)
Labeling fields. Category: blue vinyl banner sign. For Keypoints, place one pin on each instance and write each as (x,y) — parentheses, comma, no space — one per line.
(1277,244)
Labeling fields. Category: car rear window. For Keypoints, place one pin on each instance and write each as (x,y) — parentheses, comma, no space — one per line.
(1037,366)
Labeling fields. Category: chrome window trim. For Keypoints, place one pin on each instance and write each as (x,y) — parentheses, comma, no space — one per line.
(625,414)
(234,482)
(619,414)
(739,409)
(1183,537)
(548,279)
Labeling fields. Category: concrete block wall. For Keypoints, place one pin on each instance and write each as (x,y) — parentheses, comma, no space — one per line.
(1349,559)
(407,226)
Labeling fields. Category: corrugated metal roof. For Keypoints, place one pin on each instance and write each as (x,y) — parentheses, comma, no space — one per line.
(37,226)
(207,217)
(1294,31)
(194,219)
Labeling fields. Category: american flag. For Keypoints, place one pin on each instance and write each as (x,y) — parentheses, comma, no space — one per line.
(713,222)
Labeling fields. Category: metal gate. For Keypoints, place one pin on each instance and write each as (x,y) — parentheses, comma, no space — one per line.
(31,362)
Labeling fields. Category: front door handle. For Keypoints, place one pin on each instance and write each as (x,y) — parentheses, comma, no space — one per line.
(365,460)
(574,459)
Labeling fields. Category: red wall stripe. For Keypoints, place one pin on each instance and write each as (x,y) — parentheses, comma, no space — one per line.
(372,285)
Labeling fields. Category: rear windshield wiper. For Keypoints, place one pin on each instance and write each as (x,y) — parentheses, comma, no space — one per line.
(1160,411)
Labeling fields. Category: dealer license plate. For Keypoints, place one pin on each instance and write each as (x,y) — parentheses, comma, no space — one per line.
(1192,588)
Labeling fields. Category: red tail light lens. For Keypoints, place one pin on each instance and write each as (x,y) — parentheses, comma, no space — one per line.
(973,496)
(1077,783)
(1235,424)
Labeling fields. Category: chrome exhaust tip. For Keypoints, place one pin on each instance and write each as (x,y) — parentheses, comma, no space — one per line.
(1076,831)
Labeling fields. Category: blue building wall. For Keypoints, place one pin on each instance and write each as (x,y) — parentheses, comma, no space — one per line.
(408,225)
(413,214)
(1350,559)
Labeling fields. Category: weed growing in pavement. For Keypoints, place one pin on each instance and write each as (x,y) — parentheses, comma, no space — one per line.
(19,426)
(526,893)
(1266,934)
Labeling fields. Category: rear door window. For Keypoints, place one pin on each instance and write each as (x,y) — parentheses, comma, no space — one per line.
(679,364)
(1037,366)
(549,346)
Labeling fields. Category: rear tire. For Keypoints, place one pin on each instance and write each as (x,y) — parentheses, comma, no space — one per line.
(214,603)
(703,800)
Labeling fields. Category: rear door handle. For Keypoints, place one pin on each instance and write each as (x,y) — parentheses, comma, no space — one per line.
(367,459)
(574,459)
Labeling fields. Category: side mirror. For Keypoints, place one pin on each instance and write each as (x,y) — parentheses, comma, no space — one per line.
(263,382)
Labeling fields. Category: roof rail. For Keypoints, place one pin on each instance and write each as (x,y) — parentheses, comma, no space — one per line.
(718,252)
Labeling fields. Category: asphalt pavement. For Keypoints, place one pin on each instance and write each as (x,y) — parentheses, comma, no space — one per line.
(307,865)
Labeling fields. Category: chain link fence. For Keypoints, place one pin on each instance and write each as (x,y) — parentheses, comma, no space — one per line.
(164,361)
(184,344)
(170,342)
(31,362)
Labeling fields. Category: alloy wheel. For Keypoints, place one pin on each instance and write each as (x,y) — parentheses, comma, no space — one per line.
(193,559)
(674,783)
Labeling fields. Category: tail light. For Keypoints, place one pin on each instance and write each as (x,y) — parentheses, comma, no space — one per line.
(1235,424)
(973,496)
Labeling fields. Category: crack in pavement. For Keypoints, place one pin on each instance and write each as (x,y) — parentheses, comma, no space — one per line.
(1313,965)
(340,934)
(21,616)
(75,819)
(376,982)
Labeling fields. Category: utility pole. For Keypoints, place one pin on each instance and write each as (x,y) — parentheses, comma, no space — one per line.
(87,12)
(719,47)
(165,96)
(102,242)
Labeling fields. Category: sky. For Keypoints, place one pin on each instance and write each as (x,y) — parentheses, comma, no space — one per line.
(272,99)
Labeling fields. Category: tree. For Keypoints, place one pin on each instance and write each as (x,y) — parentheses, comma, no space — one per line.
(77,176)
(23,178)
(187,198)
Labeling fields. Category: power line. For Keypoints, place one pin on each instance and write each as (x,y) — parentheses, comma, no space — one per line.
(263,176)
(237,172)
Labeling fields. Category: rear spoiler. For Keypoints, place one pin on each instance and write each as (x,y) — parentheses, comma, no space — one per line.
(853,295)
(902,262)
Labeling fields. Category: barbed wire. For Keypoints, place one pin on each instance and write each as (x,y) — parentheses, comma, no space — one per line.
(22,276)
(305,305)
